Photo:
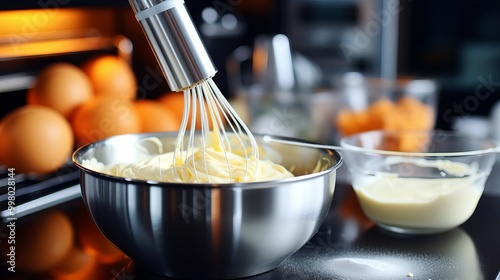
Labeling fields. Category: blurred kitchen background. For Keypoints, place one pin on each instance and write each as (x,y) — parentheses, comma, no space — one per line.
(312,69)
(333,45)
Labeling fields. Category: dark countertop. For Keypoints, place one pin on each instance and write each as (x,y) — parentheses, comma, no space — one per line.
(349,246)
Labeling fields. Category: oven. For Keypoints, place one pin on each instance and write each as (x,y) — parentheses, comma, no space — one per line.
(43,214)
(46,232)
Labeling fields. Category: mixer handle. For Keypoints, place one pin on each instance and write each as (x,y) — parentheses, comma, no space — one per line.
(175,42)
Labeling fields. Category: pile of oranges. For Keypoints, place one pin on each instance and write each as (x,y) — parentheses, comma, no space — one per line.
(69,106)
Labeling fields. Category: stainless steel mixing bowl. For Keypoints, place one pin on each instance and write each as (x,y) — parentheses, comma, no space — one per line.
(208,230)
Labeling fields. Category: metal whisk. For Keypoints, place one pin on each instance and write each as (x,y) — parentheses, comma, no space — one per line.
(187,67)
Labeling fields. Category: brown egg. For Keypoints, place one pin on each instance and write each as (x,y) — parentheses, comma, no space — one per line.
(111,75)
(61,86)
(155,117)
(174,101)
(103,117)
(42,241)
(35,139)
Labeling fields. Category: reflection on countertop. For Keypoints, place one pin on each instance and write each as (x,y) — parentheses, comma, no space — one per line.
(350,246)
(493,182)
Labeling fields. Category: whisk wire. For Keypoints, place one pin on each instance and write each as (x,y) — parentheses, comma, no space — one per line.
(193,93)
(179,143)
(204,103)
(204,124)
(220,136)
(237,126)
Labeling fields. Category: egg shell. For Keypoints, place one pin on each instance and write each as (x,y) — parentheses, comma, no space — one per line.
(111,75)
(174,102)
(35,139)
(103,117)
(155,117)
(61,86)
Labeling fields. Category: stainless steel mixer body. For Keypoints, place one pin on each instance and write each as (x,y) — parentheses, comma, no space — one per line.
(175,42)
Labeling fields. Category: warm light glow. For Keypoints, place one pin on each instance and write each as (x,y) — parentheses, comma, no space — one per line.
(260,57)
(77,265)
(53,30)
(216,220)
(55,46)
(43,24)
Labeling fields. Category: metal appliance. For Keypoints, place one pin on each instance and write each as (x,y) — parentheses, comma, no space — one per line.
(345,35)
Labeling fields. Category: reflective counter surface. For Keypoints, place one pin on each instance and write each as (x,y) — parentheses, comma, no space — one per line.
(349,246)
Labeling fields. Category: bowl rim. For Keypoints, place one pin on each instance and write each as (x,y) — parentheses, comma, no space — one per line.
(256,184)
(495,144)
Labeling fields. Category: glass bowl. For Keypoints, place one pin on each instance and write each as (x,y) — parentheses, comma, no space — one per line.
(418,181)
